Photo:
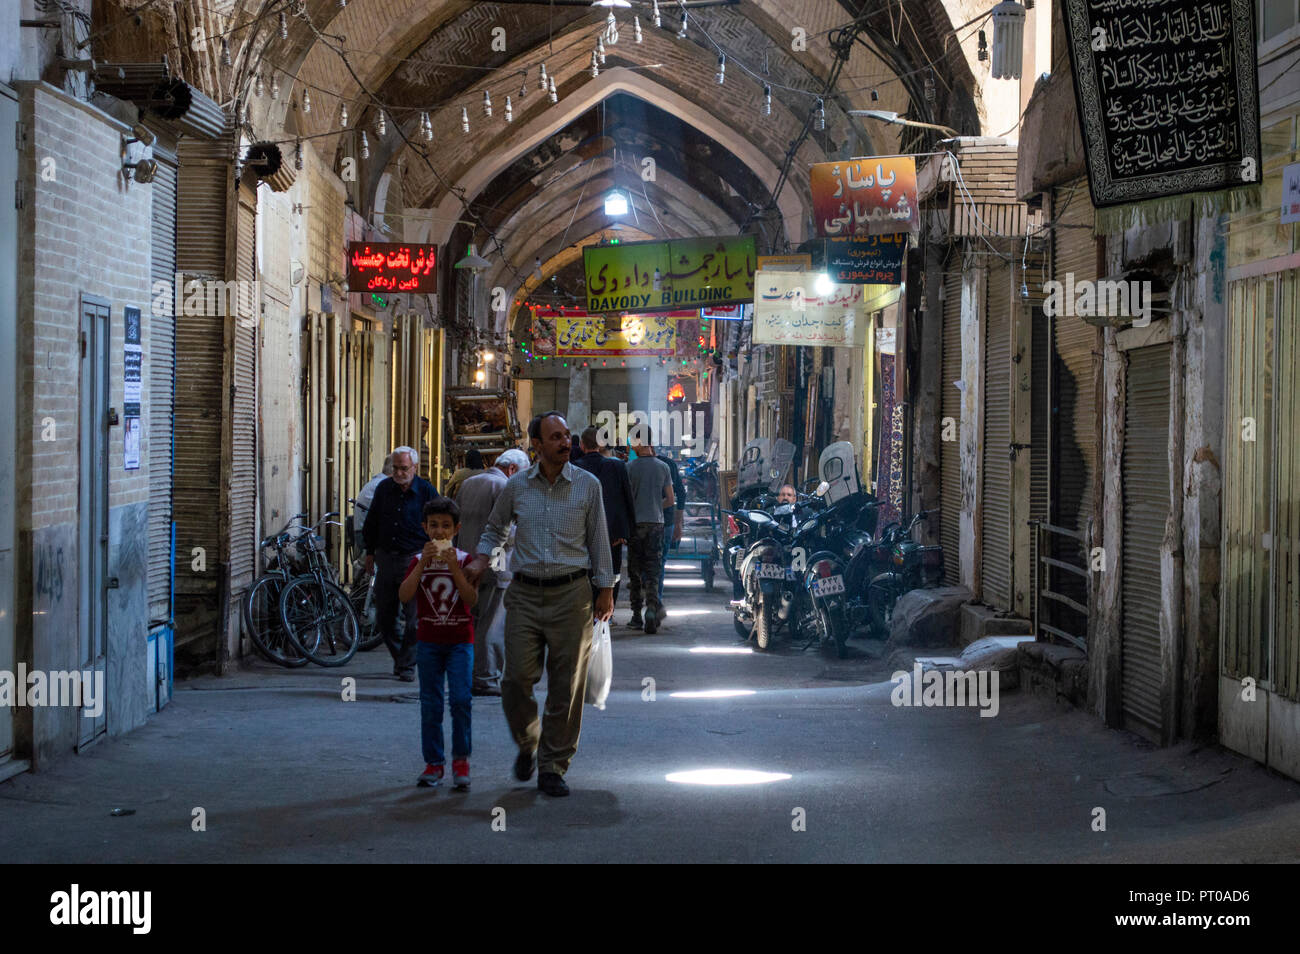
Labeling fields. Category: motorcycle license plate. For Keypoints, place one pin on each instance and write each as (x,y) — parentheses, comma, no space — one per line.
(828,585)
(771,571)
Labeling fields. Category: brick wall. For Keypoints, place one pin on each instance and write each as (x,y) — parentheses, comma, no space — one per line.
(86,232)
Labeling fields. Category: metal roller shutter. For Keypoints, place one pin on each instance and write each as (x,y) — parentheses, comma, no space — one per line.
(950,408)
(1074,471)
(162,353)
(243,421)
(202,205)
(1146,511)
(995,557)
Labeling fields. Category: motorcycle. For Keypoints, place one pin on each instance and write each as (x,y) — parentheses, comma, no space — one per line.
(911,566)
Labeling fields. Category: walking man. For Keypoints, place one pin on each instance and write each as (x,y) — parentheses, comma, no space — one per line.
(394,536)
(652,494)
(478,494)
(674,522)
(616,493)
(560,540)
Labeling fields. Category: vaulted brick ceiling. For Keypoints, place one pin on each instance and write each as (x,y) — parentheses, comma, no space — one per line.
(718,155)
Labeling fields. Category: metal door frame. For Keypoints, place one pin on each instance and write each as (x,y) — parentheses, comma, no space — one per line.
(92,493)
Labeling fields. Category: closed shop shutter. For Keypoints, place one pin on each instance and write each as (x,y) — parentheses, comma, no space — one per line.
(202,197)
(1287,592)
(995,558)
(950,409)
(609,388)
(1146,509)
(1074,439)
(243,422)
(551,394)
(162,352)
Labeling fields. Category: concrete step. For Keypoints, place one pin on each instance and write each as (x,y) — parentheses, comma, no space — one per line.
(1057,671)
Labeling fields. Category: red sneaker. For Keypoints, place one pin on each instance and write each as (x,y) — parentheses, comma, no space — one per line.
(431,776)
(460,773)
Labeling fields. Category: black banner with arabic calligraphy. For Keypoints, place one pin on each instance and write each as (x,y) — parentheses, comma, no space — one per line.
(392,267)
(1168,95)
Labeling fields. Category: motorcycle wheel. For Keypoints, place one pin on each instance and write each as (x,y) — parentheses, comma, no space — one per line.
(881,609)
(762,628)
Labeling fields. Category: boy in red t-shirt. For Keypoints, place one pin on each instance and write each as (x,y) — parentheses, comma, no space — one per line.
(446,637)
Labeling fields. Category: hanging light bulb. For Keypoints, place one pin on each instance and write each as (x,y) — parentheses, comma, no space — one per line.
(767,101)
(600,48)
(275,86)
(681,34)
(510,112)
(595,66)
(555,96)
(636,28)
(381,126)
(258,86)
(541,77)
(306,102)
(611,28)
(225,52)
(426,127)
(657,18)
(875,96)
(297,156)
(1008,39)
(722,69)
(983,48)
(343,116)
(821,115)
(487,103)
(284,27)
(464,119)
(365,146)
(523,88)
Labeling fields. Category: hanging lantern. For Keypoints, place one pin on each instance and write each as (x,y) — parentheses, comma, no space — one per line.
(365,146)
(487,104)
(541,77)
(306,102)
(464,119)
(284,27)
(1008,40)
(510,112)
(722,69)
(381,125)
(275,86)
(343,116)
(258,87)
(636,28)
(555,97)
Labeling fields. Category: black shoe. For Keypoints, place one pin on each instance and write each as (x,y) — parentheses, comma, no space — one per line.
(554,785)
(651,622)
(635,621)
(406,676)
(525,765)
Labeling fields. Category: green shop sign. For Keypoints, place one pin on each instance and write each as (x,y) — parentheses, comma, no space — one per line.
(667,276)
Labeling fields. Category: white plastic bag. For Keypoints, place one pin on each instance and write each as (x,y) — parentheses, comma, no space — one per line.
(600,668)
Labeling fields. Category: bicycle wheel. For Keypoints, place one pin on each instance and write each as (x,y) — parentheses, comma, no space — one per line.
(320,621)
(261,611)
(367,614)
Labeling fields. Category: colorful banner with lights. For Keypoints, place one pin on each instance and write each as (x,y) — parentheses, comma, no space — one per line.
(392,267)
(870,196)
(643,277)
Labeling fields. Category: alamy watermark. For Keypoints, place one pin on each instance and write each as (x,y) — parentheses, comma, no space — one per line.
(653,428)
(208,297)
(1108,299)
(75,689)
(931,687)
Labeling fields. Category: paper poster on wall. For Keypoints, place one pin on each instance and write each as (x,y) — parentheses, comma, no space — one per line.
(1291,194)
(132,363)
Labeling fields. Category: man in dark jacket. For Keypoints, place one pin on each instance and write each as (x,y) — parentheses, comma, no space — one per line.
(674,518)
(616,491)
(394,534)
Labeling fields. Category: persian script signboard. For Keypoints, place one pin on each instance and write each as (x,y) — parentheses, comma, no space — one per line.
(1168,95)
(640,335)
(788,312)
(870,260)
(871,196)
(663,276)
(392,267)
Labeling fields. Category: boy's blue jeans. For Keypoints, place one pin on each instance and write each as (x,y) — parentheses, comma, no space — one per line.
(454,663)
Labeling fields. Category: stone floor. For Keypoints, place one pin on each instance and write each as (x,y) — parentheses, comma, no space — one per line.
(286,771)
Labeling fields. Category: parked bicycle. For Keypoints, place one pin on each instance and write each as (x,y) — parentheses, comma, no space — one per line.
(317,615)
(261,606)
(362,589)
